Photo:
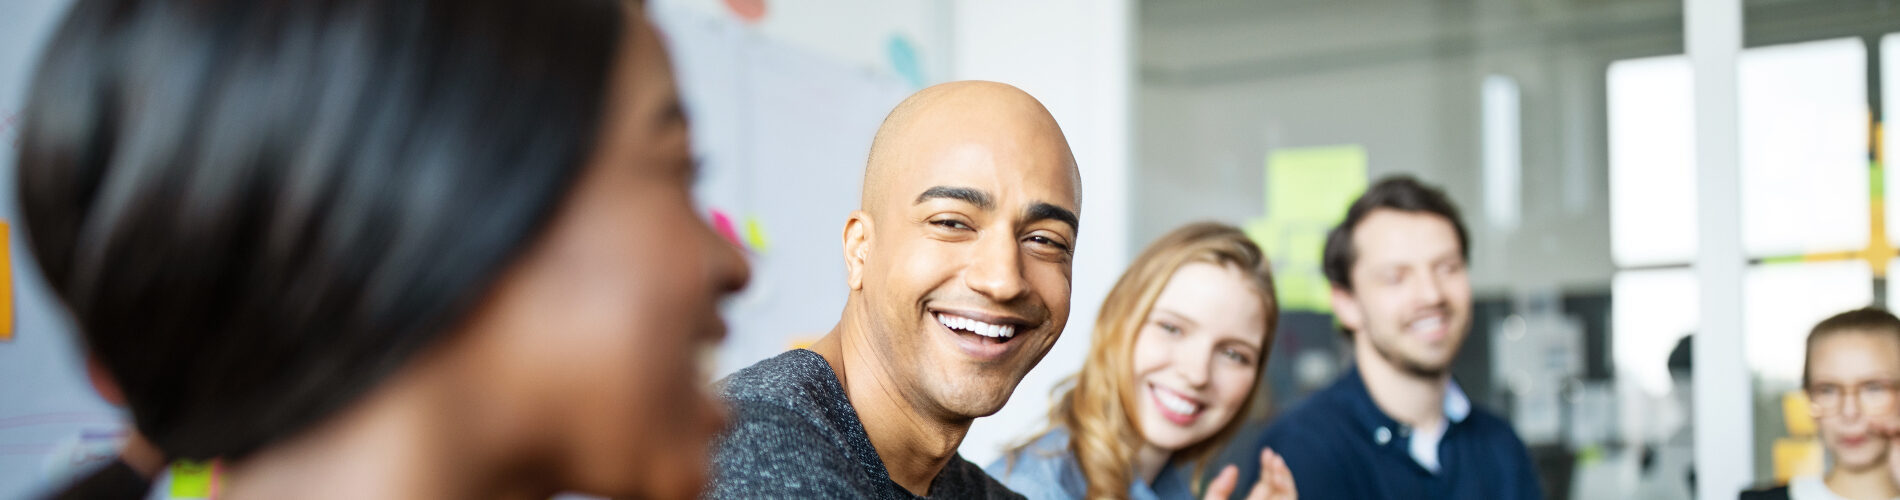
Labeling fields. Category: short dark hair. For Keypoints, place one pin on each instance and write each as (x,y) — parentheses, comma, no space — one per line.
(257,211)
(1397,192)
(1867,319)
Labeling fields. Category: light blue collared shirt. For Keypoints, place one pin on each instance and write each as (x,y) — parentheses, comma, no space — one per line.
(1424,444)
(1047,470)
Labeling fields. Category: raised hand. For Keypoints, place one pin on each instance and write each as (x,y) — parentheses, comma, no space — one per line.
(1276,482)
(1888,426)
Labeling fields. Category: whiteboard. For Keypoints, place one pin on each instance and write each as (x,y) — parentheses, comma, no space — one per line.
(51,423)
(781,136)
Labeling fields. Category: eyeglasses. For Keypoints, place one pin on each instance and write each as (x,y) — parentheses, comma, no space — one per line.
(1870,396)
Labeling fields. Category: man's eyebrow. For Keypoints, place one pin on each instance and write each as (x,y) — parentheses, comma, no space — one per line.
(968,195)
(1040,211)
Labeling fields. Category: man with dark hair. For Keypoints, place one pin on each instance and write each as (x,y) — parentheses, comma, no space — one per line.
(1395,425)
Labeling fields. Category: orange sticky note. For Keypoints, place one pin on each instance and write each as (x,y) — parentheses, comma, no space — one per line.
(6,285)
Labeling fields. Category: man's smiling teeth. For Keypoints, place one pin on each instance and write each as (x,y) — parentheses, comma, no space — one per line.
(1431,323)
(976,327)
(1175,403)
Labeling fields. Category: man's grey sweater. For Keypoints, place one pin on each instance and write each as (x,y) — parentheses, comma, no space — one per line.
(794,434)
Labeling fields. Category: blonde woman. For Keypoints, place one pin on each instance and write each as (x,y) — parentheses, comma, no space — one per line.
(1177,349)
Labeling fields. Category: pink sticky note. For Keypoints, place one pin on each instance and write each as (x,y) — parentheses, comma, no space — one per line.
(750,11)
(723,224)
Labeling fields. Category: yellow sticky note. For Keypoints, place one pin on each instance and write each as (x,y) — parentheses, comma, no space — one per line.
(805,341)
(1796,412)
(1314,184)
(6,284)
(191,479)
(755,234)
(1308,191)
(1797,457)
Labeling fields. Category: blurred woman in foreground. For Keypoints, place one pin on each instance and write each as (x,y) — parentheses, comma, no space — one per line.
(382,249)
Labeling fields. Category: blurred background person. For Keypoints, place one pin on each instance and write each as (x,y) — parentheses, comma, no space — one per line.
(1853,364)
(1396,425)
(366,249)
(1172,367)
(1667,465)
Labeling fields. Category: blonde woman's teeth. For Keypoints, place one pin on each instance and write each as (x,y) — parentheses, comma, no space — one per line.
(1175,403)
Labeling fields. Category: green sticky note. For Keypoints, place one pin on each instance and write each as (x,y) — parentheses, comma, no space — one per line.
(1878,181)
(1307,192)
(191,479)
(1590,455)
(1314,184)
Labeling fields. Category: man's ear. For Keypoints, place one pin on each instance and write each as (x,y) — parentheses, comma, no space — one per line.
(857,244)
(1346,310)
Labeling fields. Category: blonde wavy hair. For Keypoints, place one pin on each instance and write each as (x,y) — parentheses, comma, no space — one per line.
(1097,404)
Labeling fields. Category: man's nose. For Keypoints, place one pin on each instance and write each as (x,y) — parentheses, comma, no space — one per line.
(996,269)
(1429,289)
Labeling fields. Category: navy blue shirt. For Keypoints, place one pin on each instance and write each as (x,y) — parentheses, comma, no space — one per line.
(1340,445)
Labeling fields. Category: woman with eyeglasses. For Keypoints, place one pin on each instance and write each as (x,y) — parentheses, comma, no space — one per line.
(1852,365)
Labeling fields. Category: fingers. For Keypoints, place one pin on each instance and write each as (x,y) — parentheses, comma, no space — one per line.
(1223,485)
(1283,486)
(1279,465)
(1272,470)
(1887,425)
(1276,480)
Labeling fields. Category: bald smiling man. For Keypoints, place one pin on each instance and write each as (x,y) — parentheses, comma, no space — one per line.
(959,262)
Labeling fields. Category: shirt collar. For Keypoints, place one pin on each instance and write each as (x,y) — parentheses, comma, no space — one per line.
(1457,406)
(1367,413)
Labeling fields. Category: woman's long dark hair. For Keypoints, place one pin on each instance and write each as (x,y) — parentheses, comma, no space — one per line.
(258,209)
